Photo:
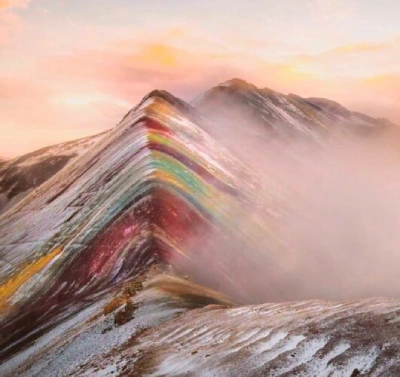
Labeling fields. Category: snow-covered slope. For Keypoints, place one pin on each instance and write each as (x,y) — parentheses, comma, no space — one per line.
(154,189)
(92,260)
(311,338)
(21,175)
(166,326)
(252,119)
(237,100)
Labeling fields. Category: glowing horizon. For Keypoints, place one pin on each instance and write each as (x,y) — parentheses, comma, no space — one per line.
(70,68)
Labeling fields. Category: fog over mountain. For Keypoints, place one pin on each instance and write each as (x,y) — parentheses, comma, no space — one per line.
(245,233)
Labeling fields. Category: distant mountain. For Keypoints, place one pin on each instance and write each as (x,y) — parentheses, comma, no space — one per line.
(137,256)
(251,119)
(237,100)
(19,176)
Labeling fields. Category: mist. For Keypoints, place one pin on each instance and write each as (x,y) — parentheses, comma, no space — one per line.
(332,209)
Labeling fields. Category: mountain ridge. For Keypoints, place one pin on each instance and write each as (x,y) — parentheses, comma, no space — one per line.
(108,266)
(240,84)
(326,106)
(141,174)
(21,175)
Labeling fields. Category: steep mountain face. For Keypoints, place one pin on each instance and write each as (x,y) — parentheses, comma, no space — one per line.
(154,190)
(21,175)
(136,258)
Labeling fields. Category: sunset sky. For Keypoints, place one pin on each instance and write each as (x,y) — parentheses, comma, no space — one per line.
(72,68)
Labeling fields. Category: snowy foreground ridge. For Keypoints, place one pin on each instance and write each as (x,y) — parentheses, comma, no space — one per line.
(159,332)
(104,267)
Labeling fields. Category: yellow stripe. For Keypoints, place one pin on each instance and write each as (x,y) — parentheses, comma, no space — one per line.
(15,282)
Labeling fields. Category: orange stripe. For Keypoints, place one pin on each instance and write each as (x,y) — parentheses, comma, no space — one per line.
(15,282)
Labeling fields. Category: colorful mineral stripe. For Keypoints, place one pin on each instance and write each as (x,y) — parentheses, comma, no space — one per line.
(146,192)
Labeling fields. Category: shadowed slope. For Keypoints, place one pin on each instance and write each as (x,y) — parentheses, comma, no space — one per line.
(21,175)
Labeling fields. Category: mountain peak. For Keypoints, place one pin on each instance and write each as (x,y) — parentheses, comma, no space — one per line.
(238,84)
(238,102)
(113,214)
(159,195)
(159,94)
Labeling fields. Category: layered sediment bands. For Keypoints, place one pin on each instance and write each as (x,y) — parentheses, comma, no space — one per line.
(78,256)
(145,193)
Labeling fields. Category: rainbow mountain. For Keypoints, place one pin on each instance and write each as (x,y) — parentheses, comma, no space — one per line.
(128,260)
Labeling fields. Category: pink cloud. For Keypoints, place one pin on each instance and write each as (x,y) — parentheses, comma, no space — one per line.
(7,4)
(130,73)
(10,21)
(87,91)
